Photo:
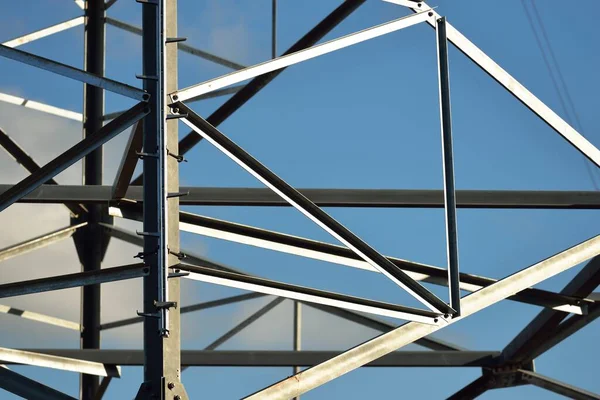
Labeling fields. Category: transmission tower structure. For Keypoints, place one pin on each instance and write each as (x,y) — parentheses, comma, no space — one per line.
(154,198)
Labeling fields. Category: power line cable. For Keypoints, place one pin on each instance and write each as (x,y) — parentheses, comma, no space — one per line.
(566,99)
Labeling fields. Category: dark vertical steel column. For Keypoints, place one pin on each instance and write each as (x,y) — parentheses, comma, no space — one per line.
(90,243)
(448,163)
(162,355)
(297,334)
(274,29)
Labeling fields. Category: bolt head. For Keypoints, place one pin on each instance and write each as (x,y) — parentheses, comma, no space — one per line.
(171,385)
(177,397)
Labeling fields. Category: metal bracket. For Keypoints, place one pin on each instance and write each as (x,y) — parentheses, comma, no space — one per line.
(180,256)
(142,255)
(142,155)
(178,274)
(153,234)
(176,156)
(177,194)
(165,304)
(176,116)
(148,315)
(148,77)
(175,40)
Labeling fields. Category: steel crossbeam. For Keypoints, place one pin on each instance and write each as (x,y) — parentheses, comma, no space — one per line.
(72,155)
(311,211)
(284,61)
(155,197)
(411,331)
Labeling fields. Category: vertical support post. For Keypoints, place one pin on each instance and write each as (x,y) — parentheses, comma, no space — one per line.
(162,354)
(297,333)
(89,241)
(448,165)
(274,29)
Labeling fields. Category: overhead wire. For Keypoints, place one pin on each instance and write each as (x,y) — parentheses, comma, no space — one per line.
(566,100)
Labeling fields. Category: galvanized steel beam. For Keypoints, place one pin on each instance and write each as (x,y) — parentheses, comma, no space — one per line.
(409,332)
(72,155)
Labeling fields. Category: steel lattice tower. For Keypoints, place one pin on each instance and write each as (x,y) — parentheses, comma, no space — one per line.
(154,198)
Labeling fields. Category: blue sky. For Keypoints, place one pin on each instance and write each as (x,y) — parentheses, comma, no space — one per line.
(363,117)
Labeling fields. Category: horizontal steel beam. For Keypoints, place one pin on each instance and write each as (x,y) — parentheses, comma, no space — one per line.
(558,387)
(73,73)
(26,388)
(72,155)
(73,280)
(354,198)
(180,46)
(269,358)
(57,361)
(340,255)
(38,242)
(310,295)
(300,56)
(408,333)
(24,159)
(312,211)
(46,319)
(365,320)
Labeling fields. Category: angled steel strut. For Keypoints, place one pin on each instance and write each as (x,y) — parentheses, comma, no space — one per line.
(310,210)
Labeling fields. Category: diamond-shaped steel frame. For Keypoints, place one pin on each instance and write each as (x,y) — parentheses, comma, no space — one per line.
(156,204)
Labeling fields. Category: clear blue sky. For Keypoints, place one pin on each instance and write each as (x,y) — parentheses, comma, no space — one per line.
(363,117)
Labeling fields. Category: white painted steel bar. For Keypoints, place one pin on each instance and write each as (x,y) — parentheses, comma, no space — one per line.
(73,73)
(289,244)
(311,211)
(332,258)
(34,105)
(38,242)
(46,319)
(408,333)
(513,86)
(299,56)
(56,362)
(293,292)
(51,30)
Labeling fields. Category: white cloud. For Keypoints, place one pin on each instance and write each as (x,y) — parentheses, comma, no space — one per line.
(44,137)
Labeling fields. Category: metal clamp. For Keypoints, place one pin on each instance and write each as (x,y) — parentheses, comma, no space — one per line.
(147,77)
(180,256)
(177,194)
(153,234)
(176,156)
(175,40)
(176,116)
(161,305)
(142,155)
